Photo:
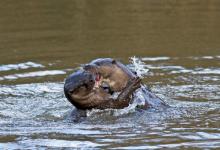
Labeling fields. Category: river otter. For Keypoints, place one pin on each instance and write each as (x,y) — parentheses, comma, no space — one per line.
(81,90)
(114,75)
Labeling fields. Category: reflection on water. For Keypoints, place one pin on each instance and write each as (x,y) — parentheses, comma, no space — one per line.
(41,42)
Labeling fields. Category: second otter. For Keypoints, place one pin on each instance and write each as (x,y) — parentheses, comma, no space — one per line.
(116,76)
(110,72)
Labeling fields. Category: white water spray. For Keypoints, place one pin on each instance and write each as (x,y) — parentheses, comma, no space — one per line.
(138,66)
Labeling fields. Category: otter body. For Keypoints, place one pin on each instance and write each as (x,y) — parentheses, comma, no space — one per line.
(80,90)
(116,76)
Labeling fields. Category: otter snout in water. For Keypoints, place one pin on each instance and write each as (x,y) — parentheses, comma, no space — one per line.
(81,90)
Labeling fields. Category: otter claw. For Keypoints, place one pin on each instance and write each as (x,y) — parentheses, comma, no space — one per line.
(135,83)
(132,85)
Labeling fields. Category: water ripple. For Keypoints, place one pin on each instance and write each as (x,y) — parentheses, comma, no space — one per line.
(33,74)
(25,65)
(37,115)
(155,58)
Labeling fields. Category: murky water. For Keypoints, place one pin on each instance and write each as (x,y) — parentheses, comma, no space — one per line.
(41,42)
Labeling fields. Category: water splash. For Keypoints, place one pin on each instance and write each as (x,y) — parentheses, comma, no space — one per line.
(138,66)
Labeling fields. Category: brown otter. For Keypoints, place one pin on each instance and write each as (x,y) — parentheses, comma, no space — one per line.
(110,72)
(80,90)
(116,76)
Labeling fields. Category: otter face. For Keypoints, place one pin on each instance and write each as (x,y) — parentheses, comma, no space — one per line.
(78,85)
(92,68)
(103,70)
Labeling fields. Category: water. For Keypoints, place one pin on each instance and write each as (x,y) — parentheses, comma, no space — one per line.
(42,42)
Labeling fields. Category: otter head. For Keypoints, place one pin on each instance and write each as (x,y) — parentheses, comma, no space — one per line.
(93,68)
(101,67)
(78,86)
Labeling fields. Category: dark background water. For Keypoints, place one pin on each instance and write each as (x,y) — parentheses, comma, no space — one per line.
(79,30)
(42,41)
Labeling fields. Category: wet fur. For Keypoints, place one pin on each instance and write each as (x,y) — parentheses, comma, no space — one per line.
(118,76)
(79,89)
(112,72)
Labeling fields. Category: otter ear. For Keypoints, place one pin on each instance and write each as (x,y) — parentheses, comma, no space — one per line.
(87,67)
(82,65)
(90,67)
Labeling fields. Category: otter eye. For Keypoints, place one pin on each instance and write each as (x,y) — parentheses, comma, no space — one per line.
(91,80)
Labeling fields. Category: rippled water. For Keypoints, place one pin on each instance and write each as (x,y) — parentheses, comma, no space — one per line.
(41,42)
(37,115)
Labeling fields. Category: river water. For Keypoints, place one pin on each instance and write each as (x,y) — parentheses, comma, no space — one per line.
(41,42)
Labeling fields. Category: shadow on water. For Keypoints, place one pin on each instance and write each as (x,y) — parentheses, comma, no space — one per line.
(42,41)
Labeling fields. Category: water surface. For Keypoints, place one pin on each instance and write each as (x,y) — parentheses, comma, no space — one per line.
(41,42)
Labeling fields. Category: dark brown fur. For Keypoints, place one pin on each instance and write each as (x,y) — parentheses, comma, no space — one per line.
(112,72)
(117,76)
(80,90)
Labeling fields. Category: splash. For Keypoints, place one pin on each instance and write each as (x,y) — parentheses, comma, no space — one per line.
(138,66)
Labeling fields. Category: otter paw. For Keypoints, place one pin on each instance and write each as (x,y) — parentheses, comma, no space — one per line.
(135,83)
